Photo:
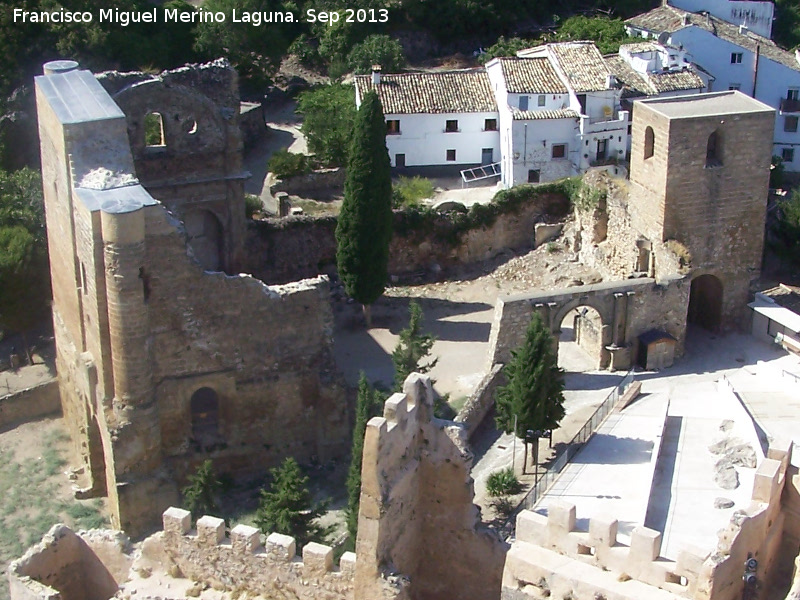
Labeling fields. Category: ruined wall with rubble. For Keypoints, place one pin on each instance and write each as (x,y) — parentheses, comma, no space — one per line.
(69,566)
(141,329)
(417,526)
(552,555)
(196,171)
(280,250)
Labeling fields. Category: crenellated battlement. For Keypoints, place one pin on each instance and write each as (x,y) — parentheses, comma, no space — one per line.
(697,573)
(208,555)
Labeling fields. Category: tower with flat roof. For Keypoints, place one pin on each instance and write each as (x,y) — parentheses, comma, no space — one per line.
(700,176)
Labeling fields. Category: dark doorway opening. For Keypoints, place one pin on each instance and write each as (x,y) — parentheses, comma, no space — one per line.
(705,303)
(204,407)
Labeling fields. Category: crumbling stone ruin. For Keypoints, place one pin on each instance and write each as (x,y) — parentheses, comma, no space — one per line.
(416,488)
(163,363)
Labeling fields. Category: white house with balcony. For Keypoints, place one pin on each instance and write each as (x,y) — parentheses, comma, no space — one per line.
(442,118)
(738,59)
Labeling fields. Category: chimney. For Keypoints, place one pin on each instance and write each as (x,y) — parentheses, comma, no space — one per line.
(685,20)
(797,55)
(742,29)
(611,81)
(376,74)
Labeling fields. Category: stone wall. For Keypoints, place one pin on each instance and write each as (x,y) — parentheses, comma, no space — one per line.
(197,172)
(141,326)
(280,250)
(626,308)
(68,566)
(481,401)
(330,181)
(416,488)
(251,122)
(30,403)
(550,553)
(239,561)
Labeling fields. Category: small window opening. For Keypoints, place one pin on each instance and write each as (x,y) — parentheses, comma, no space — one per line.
(451,126)
(490,125)
(714,150)
(451,154)
(154,130)
(145,277)
(649,142)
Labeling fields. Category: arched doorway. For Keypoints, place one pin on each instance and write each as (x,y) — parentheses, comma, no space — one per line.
(705,303)
(205,237)
(580,345)
(204,407)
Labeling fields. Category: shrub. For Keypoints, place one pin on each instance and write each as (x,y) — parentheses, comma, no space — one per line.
(409,191)
(376,49)
(252,205)
(288,164)
(503,483)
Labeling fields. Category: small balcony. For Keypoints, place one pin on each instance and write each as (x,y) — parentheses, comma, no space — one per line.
(790,106)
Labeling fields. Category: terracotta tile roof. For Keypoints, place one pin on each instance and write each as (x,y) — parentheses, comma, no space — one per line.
(671,19)
(530,115)
(531,76)
(582,64)
(635,84)
(640,47)
(436,93)
(674,81)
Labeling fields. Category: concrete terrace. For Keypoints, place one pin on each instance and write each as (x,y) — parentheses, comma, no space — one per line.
(651,465)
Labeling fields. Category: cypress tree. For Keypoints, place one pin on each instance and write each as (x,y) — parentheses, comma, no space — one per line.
(364,229)
(200,496)
(368,405)
(535,385)
(413,347)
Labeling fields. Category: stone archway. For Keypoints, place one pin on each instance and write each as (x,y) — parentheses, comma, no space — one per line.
(705,302)
(581,345)
(205,234)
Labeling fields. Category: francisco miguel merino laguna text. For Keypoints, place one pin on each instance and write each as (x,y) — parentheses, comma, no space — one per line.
(255,18)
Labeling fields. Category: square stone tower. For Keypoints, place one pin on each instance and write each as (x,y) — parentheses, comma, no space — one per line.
(700,176)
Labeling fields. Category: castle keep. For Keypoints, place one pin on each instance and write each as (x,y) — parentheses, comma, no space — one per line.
(161,363)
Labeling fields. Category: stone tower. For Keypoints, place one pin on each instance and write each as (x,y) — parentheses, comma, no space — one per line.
(700,176)
(161,362)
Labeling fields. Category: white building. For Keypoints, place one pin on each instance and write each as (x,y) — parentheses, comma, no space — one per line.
(538,130)
(756,16)
(592,92)
(548,113)
(443,118)
(739,60)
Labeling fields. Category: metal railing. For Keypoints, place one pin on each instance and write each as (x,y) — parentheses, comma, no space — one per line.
(571,449)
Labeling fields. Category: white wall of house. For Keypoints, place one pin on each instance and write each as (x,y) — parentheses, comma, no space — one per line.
(538,101)
(603,141)
(774,81)
(531,149)
(756,15)
(424,141)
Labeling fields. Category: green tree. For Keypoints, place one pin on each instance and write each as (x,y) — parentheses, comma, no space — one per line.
(533,397)
(287,507)
(364,228)
(507,47)
(329,114)
(368,403)
(786,238)
(376,49)
(24,273)
(255,53)
(607,33)
(413,347)
(200,496)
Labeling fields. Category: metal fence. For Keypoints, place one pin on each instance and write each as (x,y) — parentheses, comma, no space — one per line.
(571,449)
